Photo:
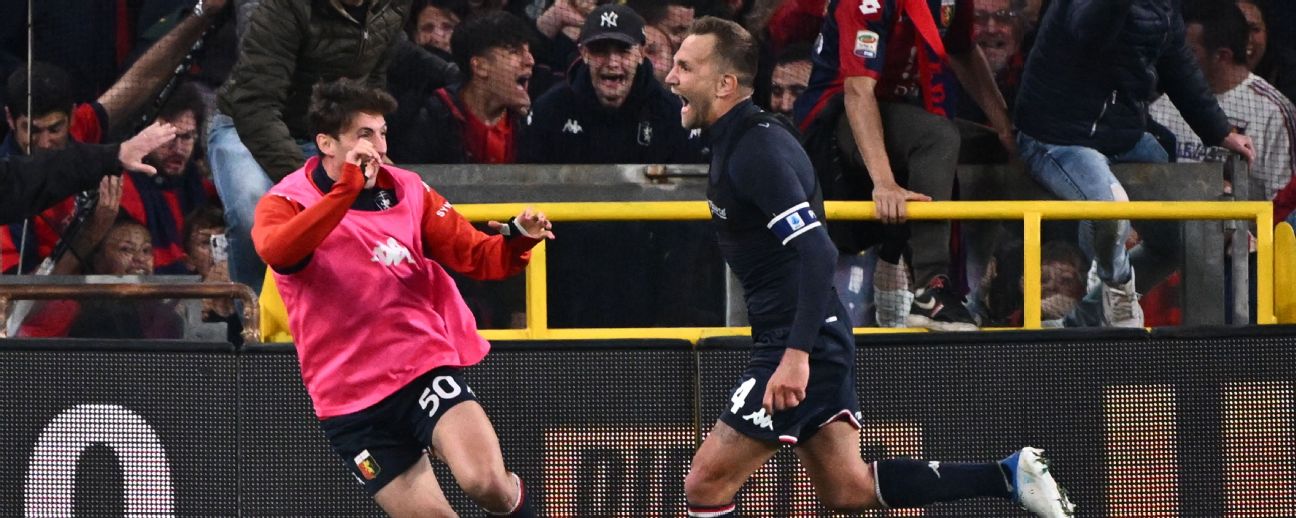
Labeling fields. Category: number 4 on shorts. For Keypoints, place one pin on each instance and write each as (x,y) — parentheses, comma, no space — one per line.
(740,396)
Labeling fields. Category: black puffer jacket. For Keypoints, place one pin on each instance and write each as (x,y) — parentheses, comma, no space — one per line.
(1096,66)
(431,130)
(569,126)
(290,45)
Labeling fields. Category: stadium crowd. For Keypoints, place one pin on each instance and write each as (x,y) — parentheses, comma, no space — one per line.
(889,95)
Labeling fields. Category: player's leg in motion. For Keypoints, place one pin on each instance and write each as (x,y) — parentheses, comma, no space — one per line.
(465,440)
(414,494)
(720,467)
(846,484)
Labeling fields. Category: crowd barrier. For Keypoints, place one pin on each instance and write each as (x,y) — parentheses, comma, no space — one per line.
(1164,423)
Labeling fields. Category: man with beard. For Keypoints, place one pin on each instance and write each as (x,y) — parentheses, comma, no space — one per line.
(161,201)
(612,110)
(478,121)
(790,78)
(999,31)
(799,385)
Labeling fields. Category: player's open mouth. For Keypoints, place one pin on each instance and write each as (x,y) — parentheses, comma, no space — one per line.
(613,80)
(524,80)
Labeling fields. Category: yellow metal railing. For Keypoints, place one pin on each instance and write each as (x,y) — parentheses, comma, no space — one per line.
(1030,212)
(1284,274)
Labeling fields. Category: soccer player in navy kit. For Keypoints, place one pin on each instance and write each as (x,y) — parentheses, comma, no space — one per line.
(799,385)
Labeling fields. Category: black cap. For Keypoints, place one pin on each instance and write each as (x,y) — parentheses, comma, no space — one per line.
(613,22)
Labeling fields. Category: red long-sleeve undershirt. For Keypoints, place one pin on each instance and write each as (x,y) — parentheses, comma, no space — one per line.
(286,234)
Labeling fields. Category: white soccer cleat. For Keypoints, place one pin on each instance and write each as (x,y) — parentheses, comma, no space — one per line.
(1033,486)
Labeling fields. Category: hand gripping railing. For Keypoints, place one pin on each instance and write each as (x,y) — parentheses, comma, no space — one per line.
(1030,212)
(198,290)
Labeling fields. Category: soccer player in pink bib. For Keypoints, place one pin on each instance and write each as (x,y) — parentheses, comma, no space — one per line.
(357,249)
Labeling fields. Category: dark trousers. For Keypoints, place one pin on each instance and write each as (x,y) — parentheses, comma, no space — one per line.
(924,152)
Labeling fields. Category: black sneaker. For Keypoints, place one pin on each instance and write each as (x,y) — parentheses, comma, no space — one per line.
(937,308)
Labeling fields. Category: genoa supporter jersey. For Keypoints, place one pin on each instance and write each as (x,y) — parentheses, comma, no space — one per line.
(88,125)
(877,39)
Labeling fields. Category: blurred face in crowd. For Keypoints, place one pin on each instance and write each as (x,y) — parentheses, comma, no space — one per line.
(126,250)
(199,251)
(788,82)
(696,78)
(1259,40)
(505,72)
(172,157)
(997,31)
(434,27)
(658,49)
(48,132)
(676,24)
(612,66)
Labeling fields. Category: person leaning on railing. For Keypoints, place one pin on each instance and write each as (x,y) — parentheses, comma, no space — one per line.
(29,184)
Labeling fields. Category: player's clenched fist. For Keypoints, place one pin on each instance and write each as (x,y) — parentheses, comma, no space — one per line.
(787,386)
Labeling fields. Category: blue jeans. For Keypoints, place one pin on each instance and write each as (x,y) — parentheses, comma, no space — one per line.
(241,182)
(1083,173)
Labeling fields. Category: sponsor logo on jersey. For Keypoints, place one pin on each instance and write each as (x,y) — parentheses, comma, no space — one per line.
(870,7)
(391,253)
(717,210)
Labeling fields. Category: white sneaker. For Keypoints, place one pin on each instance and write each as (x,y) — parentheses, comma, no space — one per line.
(1033,486)
(1120,305)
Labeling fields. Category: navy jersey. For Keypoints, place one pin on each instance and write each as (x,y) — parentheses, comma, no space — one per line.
(874,38)
(762,194)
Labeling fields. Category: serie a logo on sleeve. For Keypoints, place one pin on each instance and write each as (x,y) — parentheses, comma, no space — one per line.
(866,44)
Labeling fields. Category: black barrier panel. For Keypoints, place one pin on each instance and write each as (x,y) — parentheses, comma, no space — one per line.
(91,430)
(594,428)
(1136,426)
(290,470)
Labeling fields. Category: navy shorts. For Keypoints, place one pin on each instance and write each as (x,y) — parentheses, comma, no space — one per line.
(830,393)
(382,441)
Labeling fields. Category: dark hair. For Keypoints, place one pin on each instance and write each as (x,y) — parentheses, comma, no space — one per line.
(793,53)
(205,216)
(457,7)
(1223,27)
(185,98)
(51,91)
(480,34)
(734,46)
(334,103)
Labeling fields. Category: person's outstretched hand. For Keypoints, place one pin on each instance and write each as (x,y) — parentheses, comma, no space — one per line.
(132,152)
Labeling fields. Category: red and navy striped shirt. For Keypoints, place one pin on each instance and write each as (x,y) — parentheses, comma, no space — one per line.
(874,38)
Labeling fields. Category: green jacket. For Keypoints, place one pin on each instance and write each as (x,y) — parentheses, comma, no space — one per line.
(289,46)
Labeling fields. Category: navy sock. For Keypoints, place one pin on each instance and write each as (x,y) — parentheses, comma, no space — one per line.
(916,483)
(713,511)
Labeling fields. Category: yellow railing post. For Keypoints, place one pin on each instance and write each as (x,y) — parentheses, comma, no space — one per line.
(1284,274)
(537,293)
(1264,267)
(1031,270)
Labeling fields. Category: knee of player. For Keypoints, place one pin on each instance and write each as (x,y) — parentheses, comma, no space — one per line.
(701,487)
(489,485)
(851,495)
